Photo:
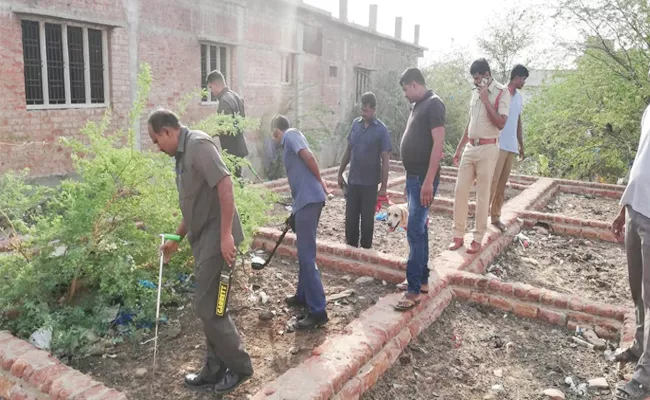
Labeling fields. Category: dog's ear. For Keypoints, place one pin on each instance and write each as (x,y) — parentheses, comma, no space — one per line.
(404,219)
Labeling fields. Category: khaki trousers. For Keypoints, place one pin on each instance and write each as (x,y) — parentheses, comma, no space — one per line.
(499,180)
(477,164)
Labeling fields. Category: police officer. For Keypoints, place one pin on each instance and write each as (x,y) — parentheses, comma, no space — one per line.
(309,193)
(211,223)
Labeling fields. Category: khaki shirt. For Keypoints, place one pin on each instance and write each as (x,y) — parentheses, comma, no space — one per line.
(480,126)
(199,168)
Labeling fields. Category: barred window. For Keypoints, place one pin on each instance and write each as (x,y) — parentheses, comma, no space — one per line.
(214,56)
(65,65)
(287,68)
(362,82)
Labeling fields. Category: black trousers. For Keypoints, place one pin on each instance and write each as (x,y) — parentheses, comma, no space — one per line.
(360,204)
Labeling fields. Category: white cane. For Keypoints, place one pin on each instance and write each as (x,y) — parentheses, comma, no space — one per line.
(163,237)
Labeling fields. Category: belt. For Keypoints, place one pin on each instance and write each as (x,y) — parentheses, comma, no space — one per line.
(479,142)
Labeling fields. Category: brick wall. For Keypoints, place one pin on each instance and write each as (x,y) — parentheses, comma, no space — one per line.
(167,35)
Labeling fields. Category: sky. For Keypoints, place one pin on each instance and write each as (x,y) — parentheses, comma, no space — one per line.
(443,28)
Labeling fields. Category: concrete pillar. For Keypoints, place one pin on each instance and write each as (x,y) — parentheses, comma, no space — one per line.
(300,71)
(133,21)
(240,65)
(343,10)
(398,27)
(416,35)
(373,18)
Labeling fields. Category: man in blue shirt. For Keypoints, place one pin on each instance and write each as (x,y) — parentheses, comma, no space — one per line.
(368,153)
(309,193)
(511,143)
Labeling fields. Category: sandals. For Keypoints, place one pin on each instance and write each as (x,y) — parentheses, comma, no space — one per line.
(626,356)
(474,248)
(404,286)
(500,225)
(406,304)
(632,390)
(456,244)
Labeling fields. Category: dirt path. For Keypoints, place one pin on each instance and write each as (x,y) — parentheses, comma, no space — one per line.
(474,352)
(273,349)
(584,206)
(594,269)
(332,228)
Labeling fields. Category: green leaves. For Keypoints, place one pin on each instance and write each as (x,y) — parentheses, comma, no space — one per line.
(90,240)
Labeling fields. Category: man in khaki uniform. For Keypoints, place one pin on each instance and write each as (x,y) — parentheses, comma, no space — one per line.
(211,223)
(488,113)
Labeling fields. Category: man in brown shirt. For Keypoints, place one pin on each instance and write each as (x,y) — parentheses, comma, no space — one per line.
(487,116)
(211,223)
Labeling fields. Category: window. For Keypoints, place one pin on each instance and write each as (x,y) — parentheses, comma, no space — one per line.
(362,82)
(334,71)
(65,65)
(287,70)
(214,56)
(312,40)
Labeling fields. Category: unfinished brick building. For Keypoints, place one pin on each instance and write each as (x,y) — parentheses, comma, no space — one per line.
(67,62)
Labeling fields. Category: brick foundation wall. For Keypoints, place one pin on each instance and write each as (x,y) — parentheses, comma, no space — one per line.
(27,373)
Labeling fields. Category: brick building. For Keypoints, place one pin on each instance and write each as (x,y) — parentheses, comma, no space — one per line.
(66,62)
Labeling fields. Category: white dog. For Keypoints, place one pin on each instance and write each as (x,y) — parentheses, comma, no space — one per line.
(396,216)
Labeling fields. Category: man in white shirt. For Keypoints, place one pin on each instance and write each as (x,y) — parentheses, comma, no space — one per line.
(511,143)
(633,225)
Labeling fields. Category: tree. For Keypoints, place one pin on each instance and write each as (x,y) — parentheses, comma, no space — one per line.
(507,38)
(449,78)
(586,124)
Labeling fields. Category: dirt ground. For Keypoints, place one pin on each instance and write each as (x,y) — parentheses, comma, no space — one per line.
(584,206)
(475,352)
(273,348)
(593,269)
(332,228)
(446,190)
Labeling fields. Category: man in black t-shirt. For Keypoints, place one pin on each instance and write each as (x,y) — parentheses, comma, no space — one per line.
(229,103)
(421,152)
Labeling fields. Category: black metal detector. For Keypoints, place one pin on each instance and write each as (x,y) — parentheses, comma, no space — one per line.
(258,263)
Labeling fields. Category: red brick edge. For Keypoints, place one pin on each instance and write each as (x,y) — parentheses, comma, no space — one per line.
(531,302)
(29,373)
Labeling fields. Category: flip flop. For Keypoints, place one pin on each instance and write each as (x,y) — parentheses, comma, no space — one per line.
(406,304)
(626,356)
(632,390)
(404,286)
(500,226)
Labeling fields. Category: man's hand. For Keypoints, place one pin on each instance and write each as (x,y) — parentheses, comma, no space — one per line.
(456,159)
(326,190)
(341,181)
(483,93)
(228,249)
(382,191)
(168,249)
(618,226)
(426,193)
(521,154)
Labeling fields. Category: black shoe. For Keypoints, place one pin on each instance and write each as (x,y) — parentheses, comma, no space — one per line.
(231,380)
(201,382)
(312,321)
(293,301)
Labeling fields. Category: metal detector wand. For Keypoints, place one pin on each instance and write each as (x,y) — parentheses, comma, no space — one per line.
(163,237)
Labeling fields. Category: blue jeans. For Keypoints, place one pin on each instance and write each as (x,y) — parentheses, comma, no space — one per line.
(417,234)
(310,288)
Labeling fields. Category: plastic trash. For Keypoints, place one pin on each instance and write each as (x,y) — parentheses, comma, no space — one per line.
(147,284)
(42,338)
(523,240)
(381,216)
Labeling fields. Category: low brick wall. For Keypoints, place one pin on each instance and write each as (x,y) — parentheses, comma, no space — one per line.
(28,373)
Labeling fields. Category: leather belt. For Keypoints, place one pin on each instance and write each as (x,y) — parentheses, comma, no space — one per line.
(480,142)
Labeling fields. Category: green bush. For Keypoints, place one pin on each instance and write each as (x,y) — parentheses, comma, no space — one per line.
(97,236)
